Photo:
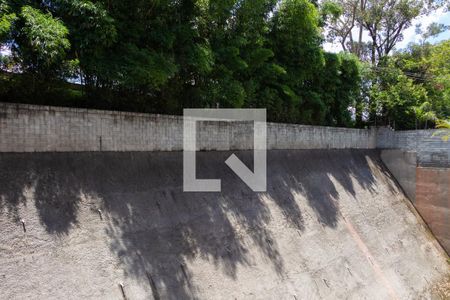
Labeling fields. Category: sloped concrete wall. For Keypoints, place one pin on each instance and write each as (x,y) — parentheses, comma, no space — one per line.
(29,128)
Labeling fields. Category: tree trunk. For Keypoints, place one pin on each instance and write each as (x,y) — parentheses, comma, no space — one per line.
(361,28)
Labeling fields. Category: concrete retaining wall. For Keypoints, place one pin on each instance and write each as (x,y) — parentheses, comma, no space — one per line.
(402,164)
(326,229)
(29,128)
(433,201)
(432,150)
(426,178)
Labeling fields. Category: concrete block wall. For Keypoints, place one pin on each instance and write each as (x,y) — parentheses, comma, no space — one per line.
(431,149)
(292,136)
(31,128)
(407,140)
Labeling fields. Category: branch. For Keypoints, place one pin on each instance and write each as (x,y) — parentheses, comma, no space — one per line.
(394,39)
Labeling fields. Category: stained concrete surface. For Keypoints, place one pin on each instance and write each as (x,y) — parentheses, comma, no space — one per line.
(428,188)
(332,225)
(433,201)
(402,164)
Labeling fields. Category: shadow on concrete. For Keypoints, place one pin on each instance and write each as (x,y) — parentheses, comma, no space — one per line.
(49,180)
(156,228)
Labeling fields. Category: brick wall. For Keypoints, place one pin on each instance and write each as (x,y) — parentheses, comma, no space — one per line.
(30,128)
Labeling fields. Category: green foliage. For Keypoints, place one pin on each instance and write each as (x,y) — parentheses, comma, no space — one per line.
(6,20)
(90,25)
(338,88)
(411,88)
(439,68)
(41,40)
(146,68)
(444,130)
(296,40)
(162,56)
(384,22)
(434,29)
(398,101)
(330,11)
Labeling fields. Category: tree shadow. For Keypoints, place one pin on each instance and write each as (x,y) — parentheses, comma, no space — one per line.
(156,229)
(315,172)
(16,178)
(165,228)
(51,183)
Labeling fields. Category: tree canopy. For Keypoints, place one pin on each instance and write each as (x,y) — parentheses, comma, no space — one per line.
(165,55)
(412,86)
(398,88)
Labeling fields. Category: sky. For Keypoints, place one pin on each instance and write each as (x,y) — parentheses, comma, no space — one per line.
(409,35)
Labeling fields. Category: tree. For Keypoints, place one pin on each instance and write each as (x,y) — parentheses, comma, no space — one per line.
(341,17)
(429,66)
(7,17)
(40,41)
(296,41)
(439,71)
(396,101)
(434,29)
(424,114)
(338,86)
(383,21)
(411,86)
(162,56)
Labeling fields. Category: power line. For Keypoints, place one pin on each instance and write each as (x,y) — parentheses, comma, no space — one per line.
(416,76)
